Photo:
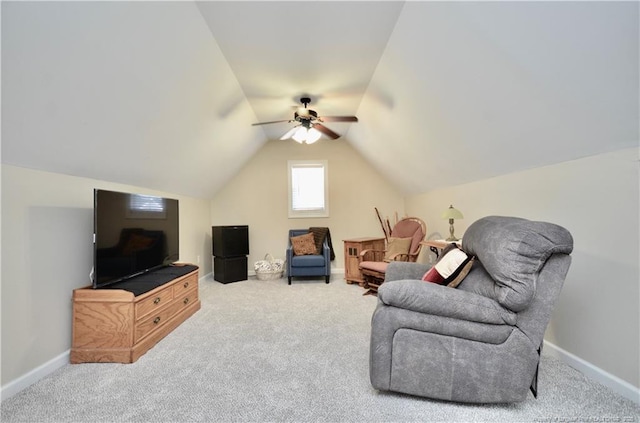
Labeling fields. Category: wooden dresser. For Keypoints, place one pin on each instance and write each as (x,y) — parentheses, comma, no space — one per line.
(114,325)
(352,249)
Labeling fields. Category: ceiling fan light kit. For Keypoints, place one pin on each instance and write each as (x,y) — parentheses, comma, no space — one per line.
(310,126)
(303,135)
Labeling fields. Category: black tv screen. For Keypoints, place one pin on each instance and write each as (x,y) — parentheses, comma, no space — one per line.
(133,234)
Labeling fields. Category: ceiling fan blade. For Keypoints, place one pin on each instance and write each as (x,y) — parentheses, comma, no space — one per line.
(328,132)
(267,123)
(338,118)
(290,133)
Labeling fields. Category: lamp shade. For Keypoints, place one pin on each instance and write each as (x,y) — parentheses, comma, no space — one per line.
(289,133)
(452,213)
(303,135)
(300,135)
(313,135)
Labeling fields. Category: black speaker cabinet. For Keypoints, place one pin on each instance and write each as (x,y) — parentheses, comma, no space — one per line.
(230,269)
(230,241)
(230,245)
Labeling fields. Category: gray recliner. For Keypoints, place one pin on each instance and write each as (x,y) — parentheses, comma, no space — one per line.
(479,342)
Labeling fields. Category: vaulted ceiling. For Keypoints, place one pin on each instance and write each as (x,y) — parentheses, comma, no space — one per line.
(163,94)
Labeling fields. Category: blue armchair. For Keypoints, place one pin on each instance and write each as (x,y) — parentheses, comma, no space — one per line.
(308,265)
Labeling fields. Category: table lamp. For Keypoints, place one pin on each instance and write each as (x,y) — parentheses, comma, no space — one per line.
(452,214)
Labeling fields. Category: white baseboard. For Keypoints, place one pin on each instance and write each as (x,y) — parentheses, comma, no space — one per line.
(620,386)
(24,381)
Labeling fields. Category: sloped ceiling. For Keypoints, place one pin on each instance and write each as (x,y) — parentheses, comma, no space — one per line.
(163,94)
(130,92)
(478,89)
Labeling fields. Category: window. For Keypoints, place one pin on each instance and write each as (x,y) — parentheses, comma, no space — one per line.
(146,207)
(308,188)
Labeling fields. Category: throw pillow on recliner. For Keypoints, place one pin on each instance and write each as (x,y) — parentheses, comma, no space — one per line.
(451,268)
(303,245)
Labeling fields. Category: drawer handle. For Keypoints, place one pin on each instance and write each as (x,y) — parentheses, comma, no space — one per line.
(186,300)
(156,320)
(186,284)
(156,301)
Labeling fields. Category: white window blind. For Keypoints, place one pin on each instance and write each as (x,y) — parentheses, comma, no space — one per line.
(308,189)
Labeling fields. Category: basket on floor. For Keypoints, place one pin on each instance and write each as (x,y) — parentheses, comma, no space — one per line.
(269,268)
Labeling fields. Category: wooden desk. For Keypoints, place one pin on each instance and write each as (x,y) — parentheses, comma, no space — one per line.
(436,245)
(352,249)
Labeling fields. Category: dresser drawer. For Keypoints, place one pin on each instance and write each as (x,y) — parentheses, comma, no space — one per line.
(186,285)
(153,303)
(187,298)
(149,324)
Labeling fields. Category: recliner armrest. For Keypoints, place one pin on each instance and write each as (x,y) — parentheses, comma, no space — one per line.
(439,300)
(398,270)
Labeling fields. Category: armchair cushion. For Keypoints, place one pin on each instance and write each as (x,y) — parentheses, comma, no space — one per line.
(303,244)
(443,301)
(375,266)
(451,268)
(512,251)
(397,246)
(308,260)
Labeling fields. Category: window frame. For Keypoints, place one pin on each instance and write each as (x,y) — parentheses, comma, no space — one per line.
(300,214)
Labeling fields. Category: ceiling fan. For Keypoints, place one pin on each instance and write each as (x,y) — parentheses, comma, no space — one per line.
(310,126)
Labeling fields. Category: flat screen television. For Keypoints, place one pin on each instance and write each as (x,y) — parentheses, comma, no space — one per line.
(133,234)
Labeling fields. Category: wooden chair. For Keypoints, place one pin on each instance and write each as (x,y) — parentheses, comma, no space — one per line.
(373,263)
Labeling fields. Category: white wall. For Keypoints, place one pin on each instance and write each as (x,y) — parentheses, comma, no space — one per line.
(257,197)
(47,227)
(596,199)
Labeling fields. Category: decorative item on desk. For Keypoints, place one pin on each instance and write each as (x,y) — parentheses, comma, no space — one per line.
(451,214)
